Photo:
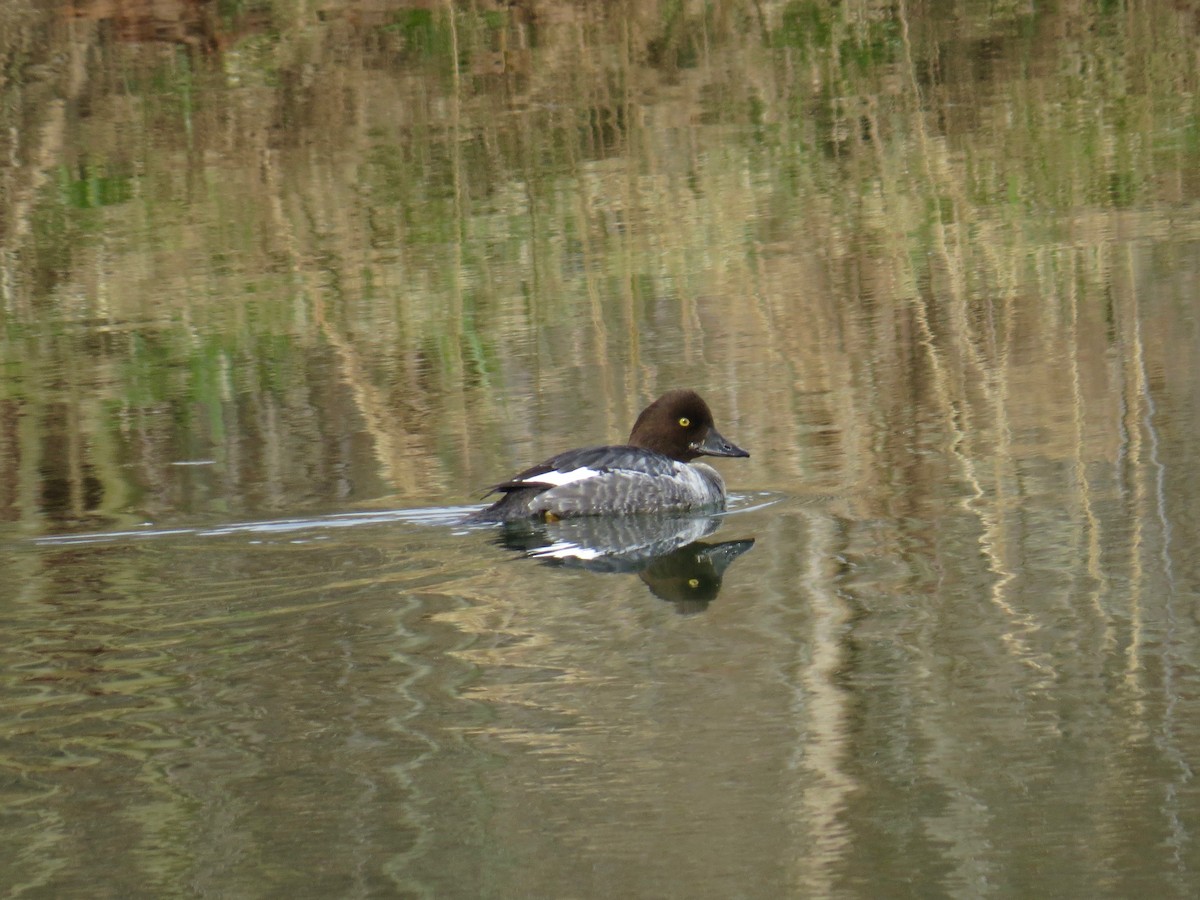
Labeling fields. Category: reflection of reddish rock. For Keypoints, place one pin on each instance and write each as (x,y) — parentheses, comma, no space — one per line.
(195,23)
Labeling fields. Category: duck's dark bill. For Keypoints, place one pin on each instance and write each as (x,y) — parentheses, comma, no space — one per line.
(715,445)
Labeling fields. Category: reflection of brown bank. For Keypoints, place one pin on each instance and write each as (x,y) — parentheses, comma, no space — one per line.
(667,553)
(189,22)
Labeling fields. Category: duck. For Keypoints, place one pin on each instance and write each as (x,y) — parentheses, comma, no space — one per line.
(653,473)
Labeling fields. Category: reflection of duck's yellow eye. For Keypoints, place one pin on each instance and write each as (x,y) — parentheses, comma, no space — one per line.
(685,421)
(693,582)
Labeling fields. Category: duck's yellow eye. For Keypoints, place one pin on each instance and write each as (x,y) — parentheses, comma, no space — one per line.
(685,421)
(693,582)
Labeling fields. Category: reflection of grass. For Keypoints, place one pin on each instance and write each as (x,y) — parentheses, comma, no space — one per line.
(94,189)
(571,227)
(805,25)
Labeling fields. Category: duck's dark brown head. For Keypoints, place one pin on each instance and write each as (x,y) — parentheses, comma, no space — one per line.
(679,424)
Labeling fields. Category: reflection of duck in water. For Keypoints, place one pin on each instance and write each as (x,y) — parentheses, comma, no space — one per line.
(691,576)
(653,473)
(666,552)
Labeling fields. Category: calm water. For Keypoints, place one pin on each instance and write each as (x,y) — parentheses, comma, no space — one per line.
(285,289)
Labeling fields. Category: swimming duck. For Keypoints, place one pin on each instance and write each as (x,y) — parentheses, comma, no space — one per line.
(652,473)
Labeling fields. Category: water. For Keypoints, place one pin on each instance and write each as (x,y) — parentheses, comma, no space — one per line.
(422,710)
(283,295)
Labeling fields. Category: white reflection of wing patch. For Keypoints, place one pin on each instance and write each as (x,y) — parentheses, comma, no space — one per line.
(564,550)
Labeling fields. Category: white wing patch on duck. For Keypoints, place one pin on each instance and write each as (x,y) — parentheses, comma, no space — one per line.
(554,478)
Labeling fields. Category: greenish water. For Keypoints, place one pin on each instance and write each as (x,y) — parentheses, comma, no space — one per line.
(284,289)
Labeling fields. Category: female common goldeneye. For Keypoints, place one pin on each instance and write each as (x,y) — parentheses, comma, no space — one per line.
(653,473)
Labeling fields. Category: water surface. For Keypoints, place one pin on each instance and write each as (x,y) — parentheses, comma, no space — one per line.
(283,292)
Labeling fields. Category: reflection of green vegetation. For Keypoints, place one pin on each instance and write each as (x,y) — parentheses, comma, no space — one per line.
(811,27)
(676,45)
(416,26)
(95,189)
(805,25)
(150,371)
(231,9)
(422,34)
(879,46)
(552,211)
